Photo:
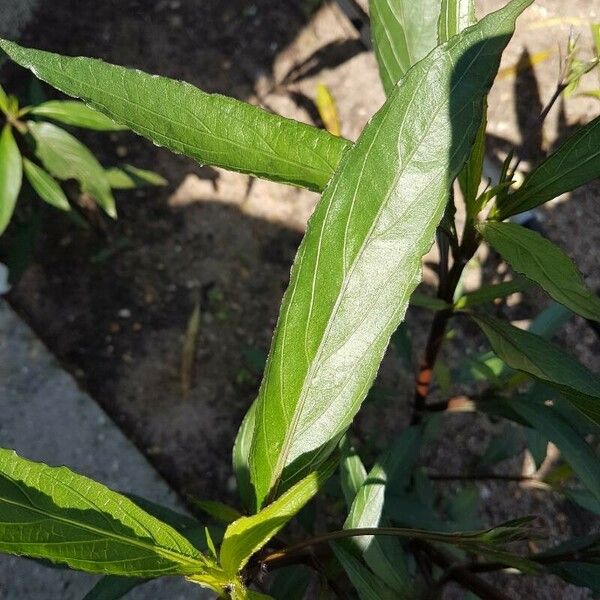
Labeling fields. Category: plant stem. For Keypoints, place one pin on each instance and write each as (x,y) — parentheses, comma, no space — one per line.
(446,290)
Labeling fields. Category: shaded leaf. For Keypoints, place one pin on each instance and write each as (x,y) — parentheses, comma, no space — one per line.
(537,443)
(129,177)
(65,157)
(585,498)
(112,587)
(403,33)
(210,128)
(488,293)
(544,361)
(384,557)
(573,448)
(352,472)
(72,112)
(46,187)
(241,459)
(291,583)
(532,255)
(503,446)
(55,514)
(360,260)
(11,176)
(574,163)
(217,510)
(367,585)
(430,302)
(246,535)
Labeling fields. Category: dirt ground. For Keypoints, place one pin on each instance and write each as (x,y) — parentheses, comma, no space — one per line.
(113,305)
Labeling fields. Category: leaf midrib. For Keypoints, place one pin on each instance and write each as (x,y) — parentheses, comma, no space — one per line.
(120,538)
(282,459)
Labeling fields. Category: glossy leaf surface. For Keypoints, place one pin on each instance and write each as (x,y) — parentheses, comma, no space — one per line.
(403,33)
(11,176)
(360,259)
(56,514)
(532,255)
(65,157)
(210,128)
(576,162)
(455,16)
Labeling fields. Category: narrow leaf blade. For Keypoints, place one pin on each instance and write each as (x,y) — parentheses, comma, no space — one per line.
(11,176)
(532,255)
(66,157)
(210,128)
(129,177)
(46,187)
(455,16)
(576,162)
(53,513)
(246,535)
(78,114)
(545,362)
(360,259)
(403,33)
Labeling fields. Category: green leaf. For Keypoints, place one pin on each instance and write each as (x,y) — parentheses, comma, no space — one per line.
(3,100)
(488,293)
(11,176)
(430,302)
(55,514)
(585,498)
(291,583)
(210,128)
(241,459)
(455,16)
(501,447)
(249,534)
(575,450)
(537,443)
(403,33)
(384,556)
(217,510)
(581,574)
(545,362)
(111,587)
(532,255)
(72,112)
(360,259)
(65,157)
(46,187)
(367,585)
(462,509)
(130,177)
(352,472)
(576,162)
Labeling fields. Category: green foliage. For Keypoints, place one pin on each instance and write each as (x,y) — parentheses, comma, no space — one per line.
(384,199)
(62,157)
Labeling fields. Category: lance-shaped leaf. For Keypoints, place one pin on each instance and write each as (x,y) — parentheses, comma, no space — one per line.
(352,472)
(72,112)
(66,157)
(112,587)
(455,16)
(246,535)
(576,162)
(544,361)
(572,446)
(540,260)
(384,555)
(360,259)
(56,514)
(11,176)
(366,584)
(403,33)
(210,128)
(46,187)
(129,177)
(241,459)
(487,293)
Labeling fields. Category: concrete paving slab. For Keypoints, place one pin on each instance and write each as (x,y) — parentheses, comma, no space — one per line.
(46,417)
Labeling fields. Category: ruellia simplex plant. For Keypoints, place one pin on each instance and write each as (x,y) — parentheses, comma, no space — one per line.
(384,200)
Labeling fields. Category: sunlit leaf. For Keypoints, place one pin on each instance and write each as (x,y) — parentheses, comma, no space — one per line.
(210,128)
(11,176)
(46,187)
(403,33)
(65,157)
(129,177)
(360,259)
(72,112)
